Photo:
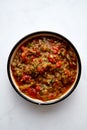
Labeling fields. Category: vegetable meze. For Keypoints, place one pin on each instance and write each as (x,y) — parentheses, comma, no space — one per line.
(44,68)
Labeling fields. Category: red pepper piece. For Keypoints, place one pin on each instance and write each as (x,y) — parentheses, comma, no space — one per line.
(58,64)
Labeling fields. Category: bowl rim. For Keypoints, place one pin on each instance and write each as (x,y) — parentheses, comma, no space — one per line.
(39,33)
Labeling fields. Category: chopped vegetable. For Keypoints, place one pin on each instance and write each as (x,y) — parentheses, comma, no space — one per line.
(44,68)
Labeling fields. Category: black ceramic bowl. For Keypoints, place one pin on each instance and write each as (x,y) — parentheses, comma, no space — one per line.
(37,35)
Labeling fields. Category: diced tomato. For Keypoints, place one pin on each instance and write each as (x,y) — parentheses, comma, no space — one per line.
(38,87)
(58,64)
(67,72)
(23,48)
(73,65)
(26,78)
(33,58)
(22,54)
(40,69)
(38,53)
(72,79)
(32,92)
(55,49)
(55,84)
(24,57)
(40,60)
(51,58)
(34,49)
(51,96)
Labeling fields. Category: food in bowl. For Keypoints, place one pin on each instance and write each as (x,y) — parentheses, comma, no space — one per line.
(44,67)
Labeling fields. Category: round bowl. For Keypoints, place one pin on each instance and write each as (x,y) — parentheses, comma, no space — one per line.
(62,40)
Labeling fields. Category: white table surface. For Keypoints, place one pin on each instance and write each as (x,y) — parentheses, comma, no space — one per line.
(19,18)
